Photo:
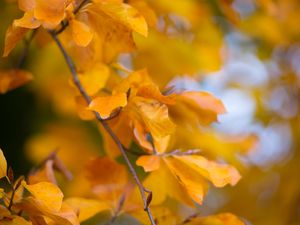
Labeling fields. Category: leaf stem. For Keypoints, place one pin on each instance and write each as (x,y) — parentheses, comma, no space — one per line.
(27,43)
(87,98)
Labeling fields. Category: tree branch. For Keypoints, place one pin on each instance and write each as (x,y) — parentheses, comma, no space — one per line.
(27,43)
(87,98)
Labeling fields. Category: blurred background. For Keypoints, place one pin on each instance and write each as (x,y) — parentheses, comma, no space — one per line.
(246,52)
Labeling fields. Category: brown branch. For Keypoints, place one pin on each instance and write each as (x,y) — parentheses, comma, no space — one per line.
(65,23)
(87,98)
(118,210)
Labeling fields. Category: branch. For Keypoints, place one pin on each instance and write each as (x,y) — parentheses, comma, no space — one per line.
(87,98)
(27,43)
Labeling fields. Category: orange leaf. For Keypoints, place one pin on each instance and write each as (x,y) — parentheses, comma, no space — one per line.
(3,165)
(47,193)
(50,12)
(13,35)
(16,220)
(152,91)
(195,107)
(191,180)
(86,208)
(12,79)
(82,34)
(219,219)
(218,174)
(107,177)
(95,78)
(107,104)
(149,162)
(155,116)
(124,14)
(27,21)
(26,5)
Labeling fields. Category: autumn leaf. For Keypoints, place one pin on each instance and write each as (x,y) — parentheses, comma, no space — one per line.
(3,165)
(94,78)
(86,208)
(149,163)
(196,107)
(27,21)
(219,219)
(107,104)
(191,172)
(124,14)
(15,220)
(82,34)
(106,185)
(155,117)
(47,193)
(13,35)
(12,79)
(51,12)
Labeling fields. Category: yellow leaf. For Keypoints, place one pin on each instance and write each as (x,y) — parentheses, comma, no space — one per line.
(147,12)
(86,208)
(218,174)
(219,219)
(26,5)
(107,185)
(142,138)
(155,117)
(194,107)
(126,15)
(191,180)
(149,162)
(82,110)
(47,193)
(81,33)
(13,35)
(95,78)
(16,220)
(205,101)
(152,91)
(12,79)
(27,21)
(36,209)
(3,165)
(107,104)
(168,186)
(51,12)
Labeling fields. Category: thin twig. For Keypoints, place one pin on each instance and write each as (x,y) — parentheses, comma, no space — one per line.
(118,209)
(27,43)
(87,98)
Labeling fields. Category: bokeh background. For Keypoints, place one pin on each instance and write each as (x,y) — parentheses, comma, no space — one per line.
(249,58)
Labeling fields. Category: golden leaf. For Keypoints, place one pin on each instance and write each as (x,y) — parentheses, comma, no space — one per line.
(47,193)
(3,165)
(107,104)
(12,79)
(13,35)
